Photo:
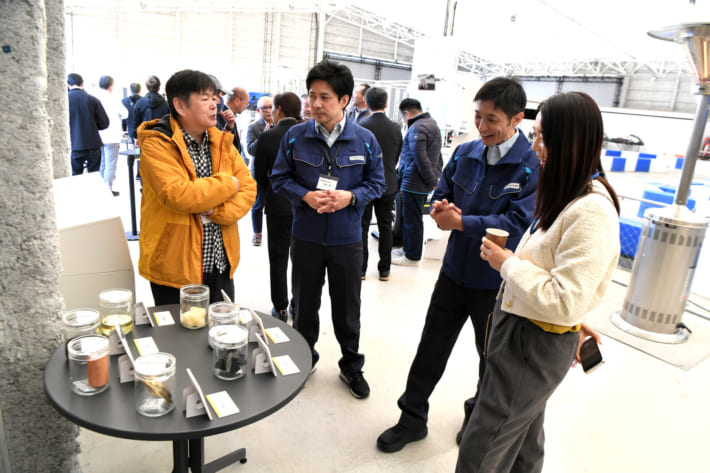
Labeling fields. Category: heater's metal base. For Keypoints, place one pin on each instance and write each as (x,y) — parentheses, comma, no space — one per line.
(680,336)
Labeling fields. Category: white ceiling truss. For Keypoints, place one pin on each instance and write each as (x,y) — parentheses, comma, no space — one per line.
(467,62)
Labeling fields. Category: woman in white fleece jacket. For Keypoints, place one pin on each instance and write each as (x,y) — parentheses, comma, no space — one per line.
(559,272)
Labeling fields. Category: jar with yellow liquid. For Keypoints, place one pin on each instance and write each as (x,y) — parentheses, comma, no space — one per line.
(116,308)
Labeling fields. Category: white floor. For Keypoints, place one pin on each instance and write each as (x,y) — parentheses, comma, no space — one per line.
(634,414)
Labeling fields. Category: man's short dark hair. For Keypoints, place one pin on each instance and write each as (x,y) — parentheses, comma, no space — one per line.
(105,82)
(506,94)
(376,98)
(183,83)
(410,105)
(336,75)
(135,88)
(153,84)
(289,103)
(365,88)
(74,79)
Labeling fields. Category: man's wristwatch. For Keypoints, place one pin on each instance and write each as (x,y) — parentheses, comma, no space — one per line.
(353,199)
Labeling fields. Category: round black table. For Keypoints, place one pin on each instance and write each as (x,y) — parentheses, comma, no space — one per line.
(113,412)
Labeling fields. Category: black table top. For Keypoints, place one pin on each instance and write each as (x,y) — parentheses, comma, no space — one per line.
(113,412)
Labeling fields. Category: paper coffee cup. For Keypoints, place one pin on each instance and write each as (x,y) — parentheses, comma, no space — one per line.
(497,236)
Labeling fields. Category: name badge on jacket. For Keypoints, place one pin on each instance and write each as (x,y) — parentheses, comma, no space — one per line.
(357,159)
(515,186)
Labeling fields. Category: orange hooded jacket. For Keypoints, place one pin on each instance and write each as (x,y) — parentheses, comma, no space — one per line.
(173,198)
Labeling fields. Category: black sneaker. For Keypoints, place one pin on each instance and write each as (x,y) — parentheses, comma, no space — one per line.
(384,275)
(358,386)
(115,193)
(395,438)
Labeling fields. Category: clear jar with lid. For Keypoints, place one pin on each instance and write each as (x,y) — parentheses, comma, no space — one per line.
(229,343)
(155,384)
(88,364)
(79,322)
(222,313)
(194,300)
(116,308)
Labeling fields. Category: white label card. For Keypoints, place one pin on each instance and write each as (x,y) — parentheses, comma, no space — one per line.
(276,335)
(244,316)
(146,345)
(327,183)
(140,315)
(164,317)
(285,365)
(125,369)
(222,404)
(114,344)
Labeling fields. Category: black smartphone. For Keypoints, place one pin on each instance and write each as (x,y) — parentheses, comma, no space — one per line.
(590,355)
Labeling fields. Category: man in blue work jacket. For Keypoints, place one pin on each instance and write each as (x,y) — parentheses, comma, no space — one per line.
(489,182)
(329,168)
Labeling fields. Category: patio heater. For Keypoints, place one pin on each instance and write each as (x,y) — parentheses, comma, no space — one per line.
(671,237)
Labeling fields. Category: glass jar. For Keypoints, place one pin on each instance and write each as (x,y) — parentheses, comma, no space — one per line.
(229,351)
(79,322)
(155,384)
(88,364)
(221,313)
(194,300)
(116,308)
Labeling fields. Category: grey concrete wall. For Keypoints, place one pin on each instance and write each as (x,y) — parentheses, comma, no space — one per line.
(57,106)
(38,438)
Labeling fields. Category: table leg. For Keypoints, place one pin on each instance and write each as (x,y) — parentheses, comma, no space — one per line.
(180,456)
(197,458)
(131,185)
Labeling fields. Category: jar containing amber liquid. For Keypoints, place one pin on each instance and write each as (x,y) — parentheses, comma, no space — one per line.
(116,309)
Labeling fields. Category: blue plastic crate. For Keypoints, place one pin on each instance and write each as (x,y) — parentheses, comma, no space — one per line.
(647,155)
(613,152)
(629,235)
(662,196)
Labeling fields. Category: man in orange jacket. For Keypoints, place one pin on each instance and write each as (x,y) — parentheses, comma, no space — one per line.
(196,187)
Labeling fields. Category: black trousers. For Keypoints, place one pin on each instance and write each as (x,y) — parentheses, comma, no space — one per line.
(451,304)
(383,213)
(89,158)
(310,262)
(165,295)
(279,240)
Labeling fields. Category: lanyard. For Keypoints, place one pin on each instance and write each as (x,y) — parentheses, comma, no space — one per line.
(326,153)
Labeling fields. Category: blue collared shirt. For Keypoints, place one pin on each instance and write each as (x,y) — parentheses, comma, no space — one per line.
(503,149)
(331,136)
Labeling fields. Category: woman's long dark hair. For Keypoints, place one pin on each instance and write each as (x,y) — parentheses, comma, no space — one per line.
(572,131)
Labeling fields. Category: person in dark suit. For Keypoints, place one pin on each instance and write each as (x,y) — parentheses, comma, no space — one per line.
(389,137)
(86,117)
(286,112)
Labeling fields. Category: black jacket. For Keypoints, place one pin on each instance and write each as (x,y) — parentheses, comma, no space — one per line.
(149,108)
(267,147)
(389,137)
(129,124)
(421,161)
(86,117)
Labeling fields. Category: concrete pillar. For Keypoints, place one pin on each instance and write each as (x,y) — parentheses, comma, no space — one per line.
(37,437)
(57,105)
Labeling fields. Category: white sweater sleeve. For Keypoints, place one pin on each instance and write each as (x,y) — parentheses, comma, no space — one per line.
(560,274)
